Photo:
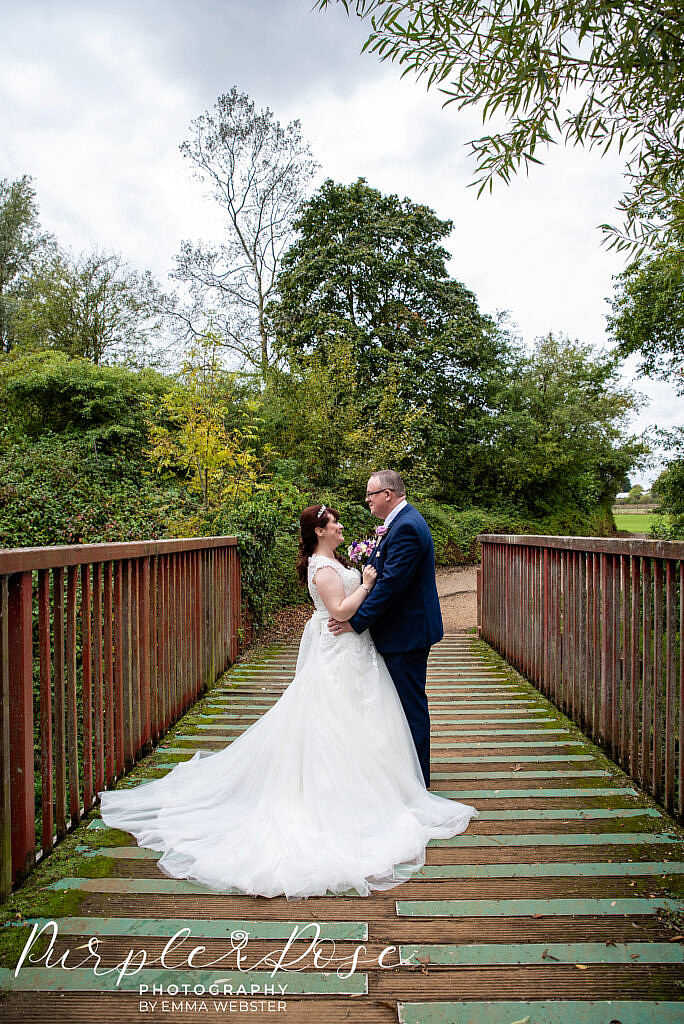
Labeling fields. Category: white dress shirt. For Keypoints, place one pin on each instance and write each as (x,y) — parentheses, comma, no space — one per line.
(395,511)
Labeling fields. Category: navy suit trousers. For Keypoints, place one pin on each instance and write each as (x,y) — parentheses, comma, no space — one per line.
(408,670)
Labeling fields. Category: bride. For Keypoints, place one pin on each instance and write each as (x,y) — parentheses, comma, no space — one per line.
(324,793)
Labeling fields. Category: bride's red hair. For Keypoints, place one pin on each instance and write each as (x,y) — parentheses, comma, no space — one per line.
(310,518)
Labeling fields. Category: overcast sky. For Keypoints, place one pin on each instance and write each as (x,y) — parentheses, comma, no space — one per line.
(95,99)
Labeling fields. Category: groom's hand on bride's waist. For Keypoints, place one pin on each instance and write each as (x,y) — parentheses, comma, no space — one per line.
(335,626)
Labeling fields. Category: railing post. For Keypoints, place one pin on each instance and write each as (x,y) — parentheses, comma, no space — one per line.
(238,622)
(86,688)
(680,772)
(5,757)
(118,669)
(605,648)
(479,599)
(647,673)
(71,696)
(546,578)
(60,703)
(45,708)
(98,678)
(145,658)
(670,684)
(22,795)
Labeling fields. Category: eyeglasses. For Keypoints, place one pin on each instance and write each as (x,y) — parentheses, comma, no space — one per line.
(371,493)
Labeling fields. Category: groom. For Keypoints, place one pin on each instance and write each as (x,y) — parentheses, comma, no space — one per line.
(402,610)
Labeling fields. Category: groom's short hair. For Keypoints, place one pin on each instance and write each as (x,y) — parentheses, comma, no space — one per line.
(388,478)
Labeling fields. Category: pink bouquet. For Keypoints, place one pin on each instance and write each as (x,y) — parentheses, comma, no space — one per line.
(360,551)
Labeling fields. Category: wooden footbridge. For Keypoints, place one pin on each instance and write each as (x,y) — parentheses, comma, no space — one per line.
(559,905)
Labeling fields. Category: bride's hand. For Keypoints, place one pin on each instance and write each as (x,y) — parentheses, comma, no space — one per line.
(370,575)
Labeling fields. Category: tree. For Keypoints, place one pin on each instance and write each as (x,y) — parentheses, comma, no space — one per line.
(621,64)
(72,465)
(313,417)
(94,305)
(648,315)
(556,436)
(365,286)
(21,245)
(258,172)
(668,488)
(203,432)
(50,392)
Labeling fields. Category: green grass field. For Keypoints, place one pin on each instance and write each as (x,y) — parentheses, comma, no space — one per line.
(635,522)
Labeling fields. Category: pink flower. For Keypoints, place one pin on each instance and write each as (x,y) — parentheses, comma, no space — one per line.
(381,530)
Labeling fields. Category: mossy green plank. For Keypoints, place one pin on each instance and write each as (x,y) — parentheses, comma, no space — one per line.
(571,813)
(561,907)
(149,886)
(579,870)
(563,839)
(563,1011)
(534,774)
(486,954)
(522,758)
(512,794)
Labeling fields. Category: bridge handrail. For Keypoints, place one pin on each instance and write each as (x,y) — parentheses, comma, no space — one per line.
(110,655)
(598,625)
(609,545)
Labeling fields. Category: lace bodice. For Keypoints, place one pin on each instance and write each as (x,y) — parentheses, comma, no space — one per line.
(350,578)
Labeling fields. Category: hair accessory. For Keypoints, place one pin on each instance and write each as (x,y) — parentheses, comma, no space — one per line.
(321,511)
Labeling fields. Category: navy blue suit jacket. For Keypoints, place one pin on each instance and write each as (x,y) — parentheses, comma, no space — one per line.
(402,611)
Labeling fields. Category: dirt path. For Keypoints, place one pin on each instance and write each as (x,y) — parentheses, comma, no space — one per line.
(457,589)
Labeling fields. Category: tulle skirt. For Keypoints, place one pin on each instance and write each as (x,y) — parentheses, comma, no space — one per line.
(323,794)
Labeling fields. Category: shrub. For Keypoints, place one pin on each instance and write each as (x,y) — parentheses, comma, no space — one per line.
(455,530)
(60,490)
(665,527)
(51,392)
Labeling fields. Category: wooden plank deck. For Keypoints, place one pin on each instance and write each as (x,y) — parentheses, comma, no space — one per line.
(560,905)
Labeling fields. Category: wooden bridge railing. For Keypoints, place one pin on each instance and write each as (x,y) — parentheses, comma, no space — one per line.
(102,648)
(598,625)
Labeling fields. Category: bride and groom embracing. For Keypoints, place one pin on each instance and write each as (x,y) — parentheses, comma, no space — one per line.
(328,790)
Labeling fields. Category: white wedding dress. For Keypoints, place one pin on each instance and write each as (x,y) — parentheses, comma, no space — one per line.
(324,793)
